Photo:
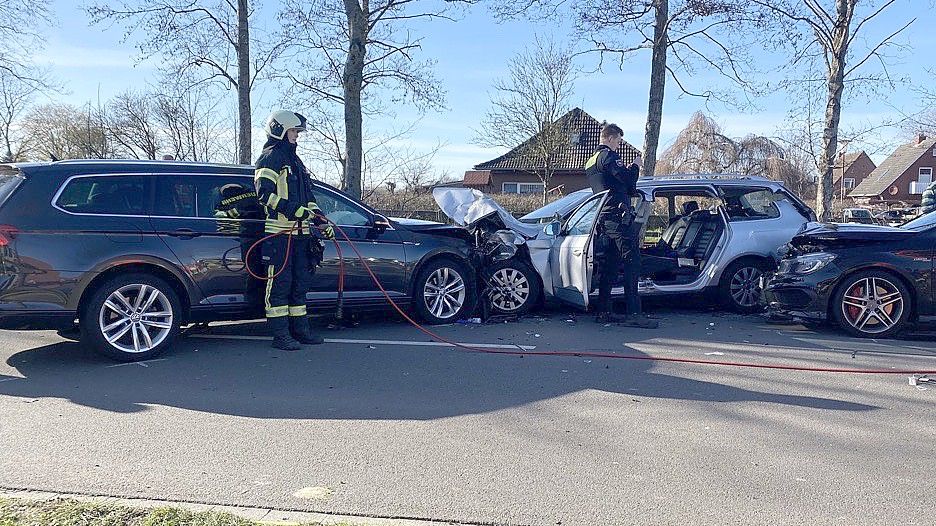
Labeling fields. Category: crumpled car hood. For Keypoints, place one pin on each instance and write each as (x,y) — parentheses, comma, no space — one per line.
(848,232)
(466,206)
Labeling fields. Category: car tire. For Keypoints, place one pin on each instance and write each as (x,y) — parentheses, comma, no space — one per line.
(515,287)
(739,288)
(871,304)
(131,317)
(444,291)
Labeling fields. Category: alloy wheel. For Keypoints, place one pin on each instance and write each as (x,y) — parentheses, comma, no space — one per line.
(444,293)
(136,318)
(745,286)
(872,305)
(511,289)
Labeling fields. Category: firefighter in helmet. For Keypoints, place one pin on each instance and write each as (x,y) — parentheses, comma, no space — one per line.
(284,190)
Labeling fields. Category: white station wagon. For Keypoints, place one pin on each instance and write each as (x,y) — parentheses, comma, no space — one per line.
(701,233)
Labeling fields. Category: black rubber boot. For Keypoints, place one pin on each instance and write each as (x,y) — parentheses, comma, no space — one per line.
(281,338)
(300,329)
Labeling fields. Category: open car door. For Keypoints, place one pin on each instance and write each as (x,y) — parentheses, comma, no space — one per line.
(571,256)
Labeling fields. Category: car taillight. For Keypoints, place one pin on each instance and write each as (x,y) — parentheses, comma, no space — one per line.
(7,233)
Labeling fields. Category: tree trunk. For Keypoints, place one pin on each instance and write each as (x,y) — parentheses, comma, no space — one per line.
(836,84)
(352,80)
(243,85)
(657,87)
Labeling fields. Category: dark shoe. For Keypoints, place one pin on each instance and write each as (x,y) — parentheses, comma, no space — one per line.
(300,330)
(286,343)
(640,321)
(281,337)
(608,317)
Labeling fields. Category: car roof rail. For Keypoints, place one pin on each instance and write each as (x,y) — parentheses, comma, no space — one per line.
(143,161)
(711,177)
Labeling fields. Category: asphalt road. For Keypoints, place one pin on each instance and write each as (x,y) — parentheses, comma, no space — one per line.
(434,433)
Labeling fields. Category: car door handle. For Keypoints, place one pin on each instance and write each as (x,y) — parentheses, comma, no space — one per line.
(577,252)
(184,233)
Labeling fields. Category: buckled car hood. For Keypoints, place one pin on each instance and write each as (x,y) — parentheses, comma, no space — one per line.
(431,227)
(467,206)
(847,234)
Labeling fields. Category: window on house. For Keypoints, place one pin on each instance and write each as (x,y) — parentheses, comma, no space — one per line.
(522,188)
(926,176)
(849,183)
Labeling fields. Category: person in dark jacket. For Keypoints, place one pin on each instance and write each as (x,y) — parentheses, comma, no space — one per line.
(617,237)
(284,190)
(928,204)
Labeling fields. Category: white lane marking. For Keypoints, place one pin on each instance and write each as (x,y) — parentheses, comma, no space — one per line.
(141,364)
(371,342)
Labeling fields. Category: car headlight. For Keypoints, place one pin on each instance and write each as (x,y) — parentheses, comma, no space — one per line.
(809,263)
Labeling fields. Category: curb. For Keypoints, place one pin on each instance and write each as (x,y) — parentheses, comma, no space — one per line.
(271,516)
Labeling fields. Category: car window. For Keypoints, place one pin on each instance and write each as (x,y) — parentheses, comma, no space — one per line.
(581,221)
(202,196)
(341,210)
(106,195)
(745,204)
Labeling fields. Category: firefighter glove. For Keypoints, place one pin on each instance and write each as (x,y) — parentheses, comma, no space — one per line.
(303,212)
(328,232)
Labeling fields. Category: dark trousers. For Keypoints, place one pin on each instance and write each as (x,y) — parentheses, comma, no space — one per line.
(286,293)
(619,253)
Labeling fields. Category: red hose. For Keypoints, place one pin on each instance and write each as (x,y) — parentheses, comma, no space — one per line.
(290,233)
(593,354)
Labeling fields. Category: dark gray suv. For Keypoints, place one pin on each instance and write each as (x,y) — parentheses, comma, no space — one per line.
(132,250)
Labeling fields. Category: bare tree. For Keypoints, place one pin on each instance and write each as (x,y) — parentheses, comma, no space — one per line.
(191,124)
(527,107)
(828,42)
(15,97)
(20,37)
(701,147)
(343,51)
(61,131)
(683,36)
(132,124)
(210,37)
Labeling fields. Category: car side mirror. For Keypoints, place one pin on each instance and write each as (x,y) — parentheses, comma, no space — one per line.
(381,224)
(553,229)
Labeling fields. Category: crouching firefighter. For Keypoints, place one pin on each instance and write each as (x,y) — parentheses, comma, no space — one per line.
(284,190)
(618,235)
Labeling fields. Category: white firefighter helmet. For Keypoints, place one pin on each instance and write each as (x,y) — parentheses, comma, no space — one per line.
(281,120)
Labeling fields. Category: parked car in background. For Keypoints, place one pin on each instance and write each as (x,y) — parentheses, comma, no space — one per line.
(715,234)
(896,216)
(872,281)
(130,251)
(857,215)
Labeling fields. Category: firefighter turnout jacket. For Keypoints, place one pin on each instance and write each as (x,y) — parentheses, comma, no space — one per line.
(284,188)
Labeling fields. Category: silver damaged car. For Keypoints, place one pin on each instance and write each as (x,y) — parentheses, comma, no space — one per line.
(717,234)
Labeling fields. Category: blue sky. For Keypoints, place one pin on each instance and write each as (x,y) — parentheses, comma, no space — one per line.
(472,52)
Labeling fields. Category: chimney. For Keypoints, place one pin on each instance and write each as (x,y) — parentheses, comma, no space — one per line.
(920,138)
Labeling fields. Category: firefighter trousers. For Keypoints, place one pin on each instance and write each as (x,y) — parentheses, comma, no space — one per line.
(286,293)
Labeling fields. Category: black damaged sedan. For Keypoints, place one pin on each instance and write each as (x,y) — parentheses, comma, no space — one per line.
(873,281)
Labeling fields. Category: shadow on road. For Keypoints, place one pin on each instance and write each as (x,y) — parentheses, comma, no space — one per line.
(246,378)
